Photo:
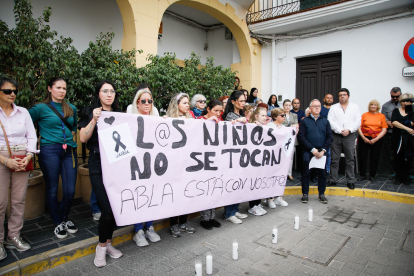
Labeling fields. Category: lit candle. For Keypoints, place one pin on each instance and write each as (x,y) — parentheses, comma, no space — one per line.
(198,268)
(310,214)
(235,250)
(274,235)
(296,222)
(209,263)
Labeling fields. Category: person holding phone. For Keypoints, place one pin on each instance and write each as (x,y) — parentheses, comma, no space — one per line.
(402,120)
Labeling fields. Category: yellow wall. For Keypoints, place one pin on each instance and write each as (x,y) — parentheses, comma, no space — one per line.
(142,19)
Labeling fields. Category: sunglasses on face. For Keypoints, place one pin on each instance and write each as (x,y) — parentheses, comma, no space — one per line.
(201,101)
(145,101)
(395,97)
(9,91)
(282,115)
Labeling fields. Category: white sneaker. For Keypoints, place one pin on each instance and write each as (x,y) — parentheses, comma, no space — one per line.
(240,215)
(234,219)
(100,256)
(113,252)
(139,238)
(255,211)
(96,216)
(261,209)
(152,235)
(271,204)
(280,201)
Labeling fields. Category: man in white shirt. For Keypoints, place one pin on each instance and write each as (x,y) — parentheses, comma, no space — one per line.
(345,119)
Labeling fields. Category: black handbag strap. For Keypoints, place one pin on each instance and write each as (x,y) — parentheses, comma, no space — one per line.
(60,116)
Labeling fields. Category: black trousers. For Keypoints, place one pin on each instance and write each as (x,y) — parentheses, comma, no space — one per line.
(374,154)
(306,157)
(402,167)
(254,203)
(181,219)
(106,223)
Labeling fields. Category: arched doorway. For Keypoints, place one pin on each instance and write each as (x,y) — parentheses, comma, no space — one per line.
(142,19)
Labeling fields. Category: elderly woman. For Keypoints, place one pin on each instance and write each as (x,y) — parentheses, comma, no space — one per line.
(402,120)
(290,121)
(18,131)
(373,128)
(198,104)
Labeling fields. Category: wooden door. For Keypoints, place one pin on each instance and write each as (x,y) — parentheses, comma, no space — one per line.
(316,77)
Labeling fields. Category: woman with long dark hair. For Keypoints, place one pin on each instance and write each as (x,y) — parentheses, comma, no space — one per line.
(234,113)
(105,99)
(57,124)
(253,95)
(271,104)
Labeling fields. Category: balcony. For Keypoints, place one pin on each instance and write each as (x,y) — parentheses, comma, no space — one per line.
(262,10)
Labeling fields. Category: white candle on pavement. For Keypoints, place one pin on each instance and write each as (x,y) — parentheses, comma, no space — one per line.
(310,214)
(198,268)
(209,263)
(274,235)
(235,250)
(296,222)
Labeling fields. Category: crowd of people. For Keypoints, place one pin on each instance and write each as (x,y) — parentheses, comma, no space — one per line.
(324,129)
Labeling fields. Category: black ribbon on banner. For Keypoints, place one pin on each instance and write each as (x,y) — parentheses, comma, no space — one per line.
(117,139)
(287,144)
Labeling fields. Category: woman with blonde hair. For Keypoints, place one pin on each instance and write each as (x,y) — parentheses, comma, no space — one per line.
(248,110)
(373,128)
(403,121)
(179,108)
(143,104)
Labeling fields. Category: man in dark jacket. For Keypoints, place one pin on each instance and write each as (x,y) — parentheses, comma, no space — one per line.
(315,136)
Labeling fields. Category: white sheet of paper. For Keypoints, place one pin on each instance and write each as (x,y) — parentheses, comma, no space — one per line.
(317,163)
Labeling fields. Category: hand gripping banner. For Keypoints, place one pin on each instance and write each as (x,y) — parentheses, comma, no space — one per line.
(155,168)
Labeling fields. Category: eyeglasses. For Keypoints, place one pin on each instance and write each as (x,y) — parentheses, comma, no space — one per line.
(9,91)
(395,97)
(145,101)
(343,95)
(108,91)
(282,115)
(201,101)
(315,106)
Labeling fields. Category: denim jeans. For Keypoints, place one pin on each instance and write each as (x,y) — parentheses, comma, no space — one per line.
(328,160)
(94,203)
(231,210)
(54,162)
(140,226)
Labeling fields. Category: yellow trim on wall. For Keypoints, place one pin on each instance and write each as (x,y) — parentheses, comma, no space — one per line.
(142,18)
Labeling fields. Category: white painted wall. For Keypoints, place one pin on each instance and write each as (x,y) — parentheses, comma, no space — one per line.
(182,39)
(372,61)
(81,20)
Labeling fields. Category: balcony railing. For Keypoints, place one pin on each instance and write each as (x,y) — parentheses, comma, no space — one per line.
(262,10)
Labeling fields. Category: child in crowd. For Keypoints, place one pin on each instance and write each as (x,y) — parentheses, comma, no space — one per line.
(258,117)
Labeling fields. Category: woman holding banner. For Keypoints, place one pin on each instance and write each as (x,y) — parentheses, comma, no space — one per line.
(143,104)
(278,116)
(105,99)
(179,107)
(212,112)
(234,112)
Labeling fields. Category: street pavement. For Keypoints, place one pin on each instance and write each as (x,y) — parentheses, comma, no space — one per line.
(348,236)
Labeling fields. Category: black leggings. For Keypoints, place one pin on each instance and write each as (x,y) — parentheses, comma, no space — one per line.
(254,203)
(182,219)
(106,223)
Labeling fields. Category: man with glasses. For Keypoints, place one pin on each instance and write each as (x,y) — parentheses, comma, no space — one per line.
(345,119)
(387,110)
(315,136)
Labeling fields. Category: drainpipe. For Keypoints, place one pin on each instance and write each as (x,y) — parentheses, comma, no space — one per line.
(274,68)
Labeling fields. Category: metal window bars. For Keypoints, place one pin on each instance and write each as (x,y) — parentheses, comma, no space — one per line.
(262,10)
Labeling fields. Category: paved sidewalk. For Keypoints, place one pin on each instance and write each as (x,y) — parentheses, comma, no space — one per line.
(349,236)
